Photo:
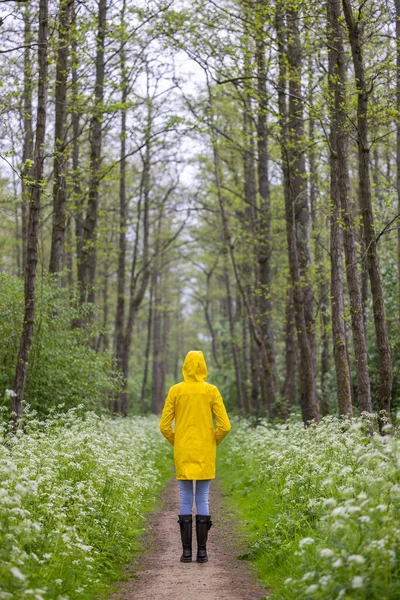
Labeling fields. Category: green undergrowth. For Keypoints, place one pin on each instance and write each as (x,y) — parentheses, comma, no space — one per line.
(74,493)
(320,507)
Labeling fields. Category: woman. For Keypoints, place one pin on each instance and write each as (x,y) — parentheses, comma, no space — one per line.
(192,403)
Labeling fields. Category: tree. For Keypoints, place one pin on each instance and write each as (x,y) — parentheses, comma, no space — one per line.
(35,184)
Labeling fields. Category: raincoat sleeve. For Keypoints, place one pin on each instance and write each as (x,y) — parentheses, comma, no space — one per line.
(167,417)
(221,417)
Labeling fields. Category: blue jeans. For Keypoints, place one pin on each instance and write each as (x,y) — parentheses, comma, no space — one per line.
(186,491)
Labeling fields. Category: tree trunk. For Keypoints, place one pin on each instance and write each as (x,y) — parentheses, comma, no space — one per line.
(138,279)
(353,283)
(384,352)
(234,344)
(120,313)
(288,391)
(338,324)
(27,151)
(34,214)
(76,187)
(147,350)
(297,175)
(398,141)
(291,135)
(88,266)
(60,158)
(157,395)
(264,247)
(321,272)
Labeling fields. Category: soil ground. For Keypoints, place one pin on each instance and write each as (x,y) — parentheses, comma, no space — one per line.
(159,575)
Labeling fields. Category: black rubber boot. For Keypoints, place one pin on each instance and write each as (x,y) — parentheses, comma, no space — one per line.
(185,522)
(203,524)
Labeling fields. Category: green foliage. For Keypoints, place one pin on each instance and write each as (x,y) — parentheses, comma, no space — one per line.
(63,368)
(73,497)
(321,507)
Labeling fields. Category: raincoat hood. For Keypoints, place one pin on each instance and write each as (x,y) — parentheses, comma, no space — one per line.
(194,366)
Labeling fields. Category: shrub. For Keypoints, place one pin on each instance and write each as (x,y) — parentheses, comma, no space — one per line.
(63,367)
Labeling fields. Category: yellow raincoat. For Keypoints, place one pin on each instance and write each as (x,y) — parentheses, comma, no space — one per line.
(192,403)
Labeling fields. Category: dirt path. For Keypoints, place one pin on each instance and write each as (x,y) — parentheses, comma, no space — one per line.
(159,575)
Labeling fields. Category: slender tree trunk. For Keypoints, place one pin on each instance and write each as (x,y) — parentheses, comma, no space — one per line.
(288,391)
(120,313)
(27,151)
(342,367)
(321,272)
(264,248)
(34,214)
(147,350)
(293,169)
(398,141)
(353,282)
(248,264)
(60,158)
(297,166)
(89,255)
(138,280)
(76,186)
(157,396)
(384,352)
(164,336)
(234,344)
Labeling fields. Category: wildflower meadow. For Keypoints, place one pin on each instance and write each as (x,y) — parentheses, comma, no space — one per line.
(320,507)
(74,491)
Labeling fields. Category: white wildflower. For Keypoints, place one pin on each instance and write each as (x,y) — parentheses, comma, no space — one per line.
(312,589)
(337,563)
(364,519)
(356,559)
(339,511)
(326,552)
(329,502)
(17,574)
(357,582)
(306,542)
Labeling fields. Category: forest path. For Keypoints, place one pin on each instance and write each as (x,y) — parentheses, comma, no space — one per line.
(159,575)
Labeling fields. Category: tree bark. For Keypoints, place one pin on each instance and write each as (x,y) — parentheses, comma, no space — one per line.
(139,278)
(342,367)
(120,313)
(76,186)
(27,151)
(291,123)
(87,272)
(264,247)
(157,395)
(382,337)
(397,2)
(353,283)
(60,158)
(297,176)
(147,350)
(234,344)
(288,390)
(34,214)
